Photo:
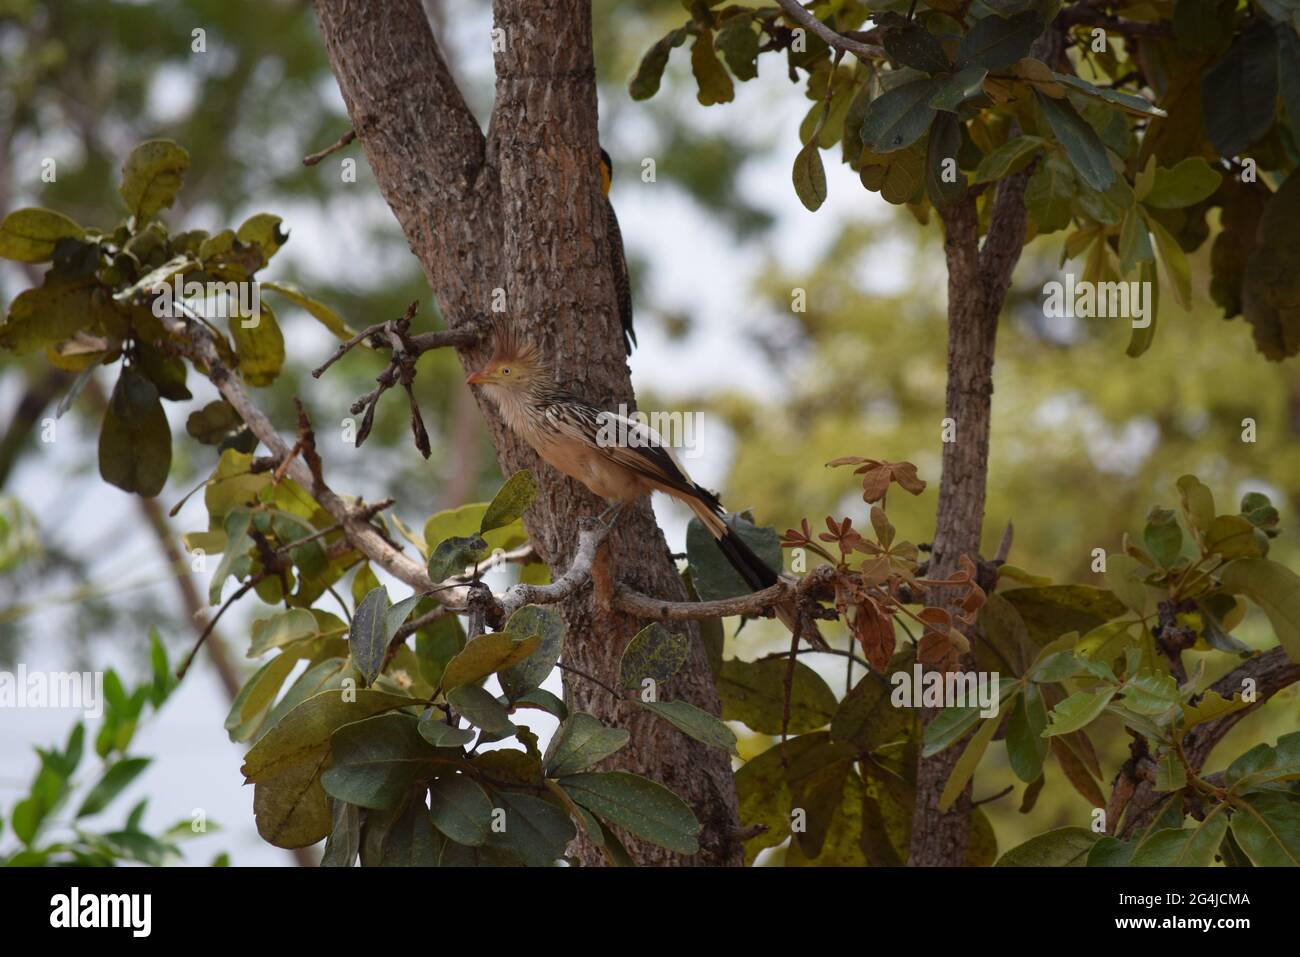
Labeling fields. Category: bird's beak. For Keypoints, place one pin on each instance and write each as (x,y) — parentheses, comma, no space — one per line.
(475,378)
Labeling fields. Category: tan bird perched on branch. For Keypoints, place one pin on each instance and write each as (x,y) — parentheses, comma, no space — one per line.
(572,436)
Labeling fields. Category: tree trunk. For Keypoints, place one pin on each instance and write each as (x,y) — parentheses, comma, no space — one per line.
(977,288)
(519,213)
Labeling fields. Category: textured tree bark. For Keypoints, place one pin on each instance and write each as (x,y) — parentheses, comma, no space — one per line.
(977,287)
(978,280)
(519,211)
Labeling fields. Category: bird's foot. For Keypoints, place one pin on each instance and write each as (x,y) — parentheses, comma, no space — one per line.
(610,515)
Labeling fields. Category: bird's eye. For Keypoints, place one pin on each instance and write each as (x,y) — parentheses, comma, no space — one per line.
(505,371)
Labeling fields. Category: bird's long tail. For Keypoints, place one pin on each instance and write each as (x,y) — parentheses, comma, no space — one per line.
(756,572)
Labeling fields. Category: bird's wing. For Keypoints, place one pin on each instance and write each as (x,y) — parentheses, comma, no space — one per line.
(631,444)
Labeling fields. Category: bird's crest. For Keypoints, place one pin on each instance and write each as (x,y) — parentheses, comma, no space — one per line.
(509,345)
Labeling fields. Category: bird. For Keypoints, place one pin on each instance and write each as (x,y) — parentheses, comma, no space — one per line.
(572,436)
(617,258)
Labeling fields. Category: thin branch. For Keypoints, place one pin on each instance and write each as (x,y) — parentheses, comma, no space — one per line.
(836,41)
(362,536)
(1088,15)
(757,603)
(239,593)
(339,144)
(594,680)
(591,535)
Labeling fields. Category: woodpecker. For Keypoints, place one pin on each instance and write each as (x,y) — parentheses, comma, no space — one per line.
(617,259)
(567,433)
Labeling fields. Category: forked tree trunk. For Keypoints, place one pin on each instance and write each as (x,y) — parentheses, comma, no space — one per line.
(520,211)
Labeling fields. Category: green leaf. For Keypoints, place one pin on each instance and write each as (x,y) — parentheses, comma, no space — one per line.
(280,629)
(290,805)
(580,742)
(713,575)
(481,709)
(649,73)
(965,767)
(941,157)
(738,41)
(809,177)
(897,119)
(1186,184)
(1078,710)
(436,644)
(534,829)
(485,655)
(995,42)
(1288,66)
(1265,764)
(1128,102)
(236,525)
(248,710)
(113,781)
(1082,145)
(435,730)
(52,313)
(460,809)
(1151,694)
(1142,336)
(964,85)
(655,653)
(1124,575)
(1270,287)
(1050,192)
(913,45)
(1013,155)
(544,622)
(897,176)
(1276,590)
(263,229)
(453,555)
(753,692)
(1233,536)
(152,176)
(1164,536)
(510,502)
(1197,502)
(29,235)
(867,719)
(1063,847)
(1184,847)
(1240,91)
(135,441)
(695,723)
(1267,827)
(322,313)
(1135,247)
(375,761)
(714,84)
(259,347)
(642,807)
(374,626)
(1026,746)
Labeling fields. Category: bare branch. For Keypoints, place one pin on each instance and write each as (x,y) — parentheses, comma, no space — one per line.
(341,142)
(591,536)
(365,538)
(836,41)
